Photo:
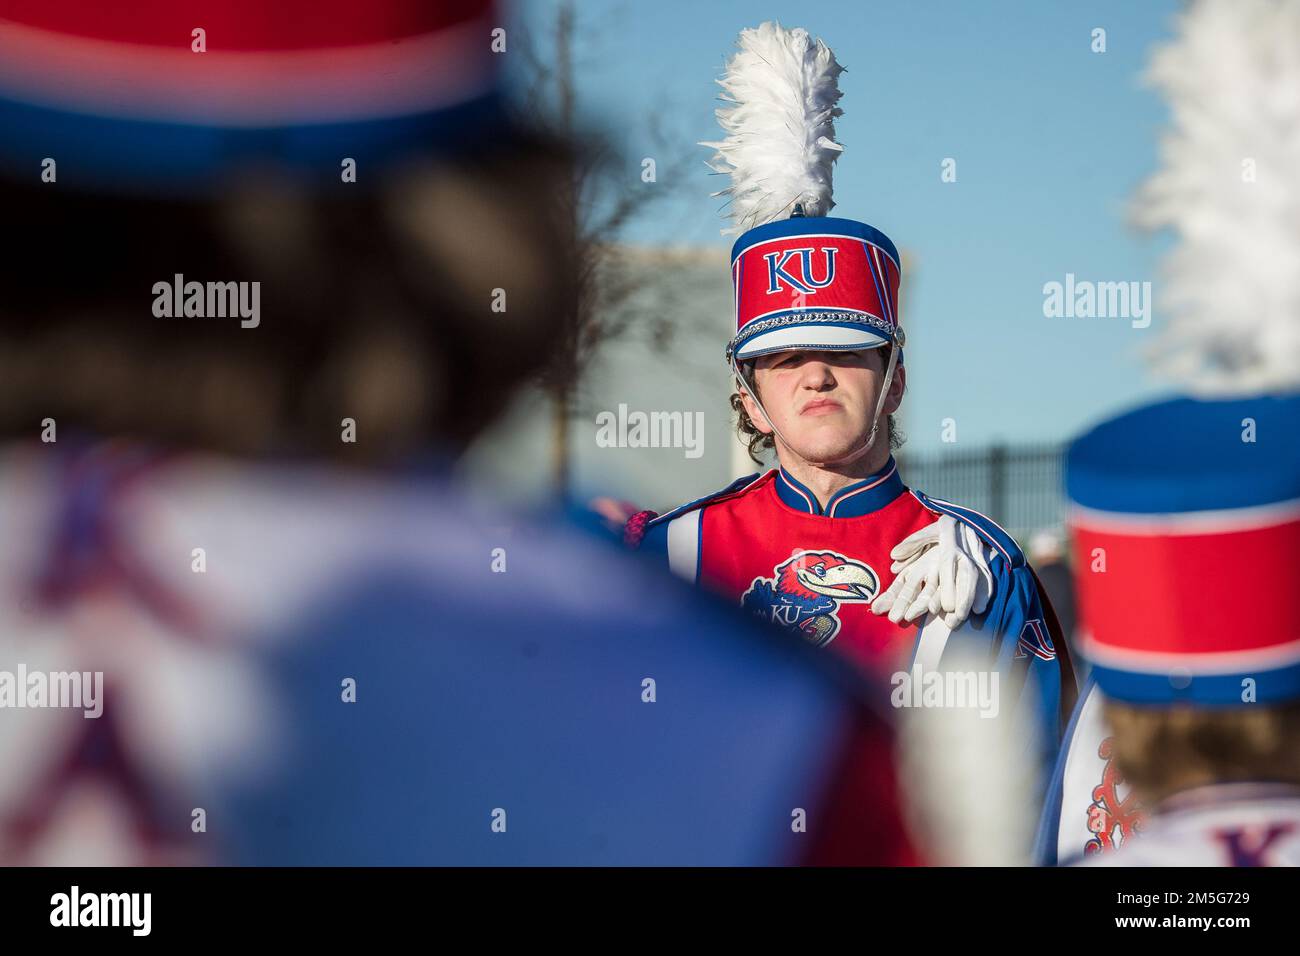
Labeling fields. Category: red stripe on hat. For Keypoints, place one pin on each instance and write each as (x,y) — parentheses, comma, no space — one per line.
(1226,594)
(246,88)
(246,24)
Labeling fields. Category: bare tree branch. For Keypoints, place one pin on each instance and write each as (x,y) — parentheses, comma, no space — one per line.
(606,196)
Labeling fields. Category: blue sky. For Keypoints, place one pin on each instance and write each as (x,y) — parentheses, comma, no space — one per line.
(1050,140)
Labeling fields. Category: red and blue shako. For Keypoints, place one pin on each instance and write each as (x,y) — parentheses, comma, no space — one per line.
(814,282)
(177,96)
(1186,520)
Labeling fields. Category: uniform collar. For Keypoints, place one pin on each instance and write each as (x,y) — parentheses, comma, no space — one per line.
(860,498)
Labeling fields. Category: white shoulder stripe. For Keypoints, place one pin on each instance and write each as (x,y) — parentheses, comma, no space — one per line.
(930,645)
(684,545)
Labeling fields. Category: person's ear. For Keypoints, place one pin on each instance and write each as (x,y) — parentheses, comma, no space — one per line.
(755,413)
(896,389)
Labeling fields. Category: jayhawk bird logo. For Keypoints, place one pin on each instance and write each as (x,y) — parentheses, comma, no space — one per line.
(805,592)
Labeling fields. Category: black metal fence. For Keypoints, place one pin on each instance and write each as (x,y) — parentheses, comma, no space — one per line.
(1018,486)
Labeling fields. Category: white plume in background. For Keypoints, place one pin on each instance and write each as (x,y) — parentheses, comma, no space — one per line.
(780,130)
(1231,285)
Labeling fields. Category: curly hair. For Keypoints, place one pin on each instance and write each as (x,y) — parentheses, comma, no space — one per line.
(758,442)
(1161,750)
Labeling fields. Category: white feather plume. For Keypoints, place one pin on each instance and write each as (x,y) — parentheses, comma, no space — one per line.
(1231,284)
(780,127)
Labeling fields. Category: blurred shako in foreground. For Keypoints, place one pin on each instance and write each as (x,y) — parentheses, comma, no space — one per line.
(271,275)
(1186,512)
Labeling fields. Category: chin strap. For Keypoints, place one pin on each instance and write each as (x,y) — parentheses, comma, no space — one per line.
(753,394)
(875,418)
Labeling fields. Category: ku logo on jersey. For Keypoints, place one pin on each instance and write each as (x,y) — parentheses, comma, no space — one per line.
(779,274)
(805,592)
(1035,640)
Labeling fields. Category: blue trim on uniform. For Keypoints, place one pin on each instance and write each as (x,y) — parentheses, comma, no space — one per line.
(860,498)
(1207,690)
(1048,839)
(795,493)
(815,225)
(986,527)
(690,505)
(853,501)
(655,541)
(1187,454)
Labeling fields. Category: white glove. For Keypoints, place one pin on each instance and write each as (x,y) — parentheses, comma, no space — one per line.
(943,570)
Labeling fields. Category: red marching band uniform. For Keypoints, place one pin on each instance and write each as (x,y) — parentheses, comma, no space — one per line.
(766,543)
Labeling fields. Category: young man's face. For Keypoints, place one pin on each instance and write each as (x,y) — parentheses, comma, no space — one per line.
(822,402)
